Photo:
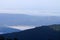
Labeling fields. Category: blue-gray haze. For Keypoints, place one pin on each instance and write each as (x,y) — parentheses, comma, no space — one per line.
(31,7)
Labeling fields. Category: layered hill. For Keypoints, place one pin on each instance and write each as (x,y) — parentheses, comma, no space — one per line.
(23,19)
(39,33)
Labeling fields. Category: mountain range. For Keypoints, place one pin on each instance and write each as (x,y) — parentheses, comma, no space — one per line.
(50,32)
(24,19)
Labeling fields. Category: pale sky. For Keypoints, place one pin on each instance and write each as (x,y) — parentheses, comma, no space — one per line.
(32,7)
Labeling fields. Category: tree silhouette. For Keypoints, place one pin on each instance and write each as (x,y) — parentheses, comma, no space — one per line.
(9,39)
(15,39)
(2,38)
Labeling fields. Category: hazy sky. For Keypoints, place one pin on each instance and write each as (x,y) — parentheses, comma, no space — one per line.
(33,7)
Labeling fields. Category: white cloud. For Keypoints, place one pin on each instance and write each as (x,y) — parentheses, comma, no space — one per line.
(33,12)
(32,7)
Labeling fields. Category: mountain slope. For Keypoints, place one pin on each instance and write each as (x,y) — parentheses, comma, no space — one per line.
(39,33)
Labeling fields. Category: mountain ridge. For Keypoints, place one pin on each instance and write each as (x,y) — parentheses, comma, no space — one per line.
(38,33)
(23,19)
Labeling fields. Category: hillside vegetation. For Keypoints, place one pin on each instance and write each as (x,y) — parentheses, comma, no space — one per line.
(55,27)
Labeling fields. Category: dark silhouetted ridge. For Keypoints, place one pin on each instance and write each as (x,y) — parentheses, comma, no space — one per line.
(38,33)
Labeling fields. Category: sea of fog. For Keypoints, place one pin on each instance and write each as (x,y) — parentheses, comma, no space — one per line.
(21,27)
(10,29)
